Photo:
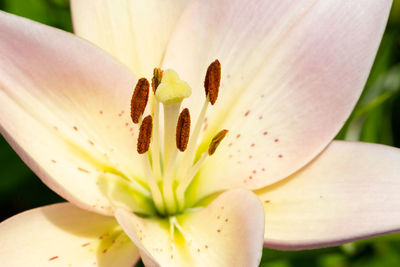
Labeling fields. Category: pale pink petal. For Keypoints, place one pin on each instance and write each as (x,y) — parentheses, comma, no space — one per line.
(226,233)
(291,74)
(64,107)
(135,32)
(64,235)
(349,192)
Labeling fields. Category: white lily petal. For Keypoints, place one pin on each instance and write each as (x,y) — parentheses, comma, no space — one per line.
(64,107)
(64,235)
(349,192)
(135,32)
(291,74)
(226,233)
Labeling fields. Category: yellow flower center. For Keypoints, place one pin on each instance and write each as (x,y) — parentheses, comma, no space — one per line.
(171,167)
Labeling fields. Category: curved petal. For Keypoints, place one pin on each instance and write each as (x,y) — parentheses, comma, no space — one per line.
(349,192)
(226,233)
(63,235)
(135,32)
(64,107)
(291,74)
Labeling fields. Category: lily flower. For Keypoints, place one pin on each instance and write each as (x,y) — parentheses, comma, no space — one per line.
(207,163)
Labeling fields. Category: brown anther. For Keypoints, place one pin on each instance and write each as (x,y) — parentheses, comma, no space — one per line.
(216,141)
(139,99)
(156,80)
(183,130)
(144,138)
(212,81)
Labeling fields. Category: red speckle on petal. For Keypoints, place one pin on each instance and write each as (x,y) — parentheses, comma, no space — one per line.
(276,140)
(83,170)
(247,113)
(280,156)
(86,244)
(53,258)
(265,133)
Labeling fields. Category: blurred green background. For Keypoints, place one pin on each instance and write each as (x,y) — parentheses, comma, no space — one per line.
(376,118)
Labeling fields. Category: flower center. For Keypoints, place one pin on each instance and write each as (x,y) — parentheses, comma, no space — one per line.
(170,162)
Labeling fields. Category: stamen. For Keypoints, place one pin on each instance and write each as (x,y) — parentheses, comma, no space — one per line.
(183,130)
(211,85)
(182,138)
(139,99)
(142,147)
(216,141)
(151,181)
(180,191)
(212,81)
(156,80)
(155,148)
(144,138)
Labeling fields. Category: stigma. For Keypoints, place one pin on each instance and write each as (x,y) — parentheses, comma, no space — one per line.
(170,161)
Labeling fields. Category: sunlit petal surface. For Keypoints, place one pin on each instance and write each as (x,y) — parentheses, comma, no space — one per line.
(226,233)
(349,192)
(135,32)
(65,110)
(63,235)
(292,72)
